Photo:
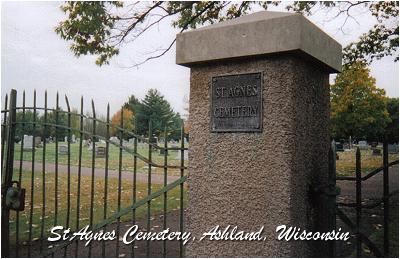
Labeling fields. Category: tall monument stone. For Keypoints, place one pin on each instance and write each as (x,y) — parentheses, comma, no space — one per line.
(259,138)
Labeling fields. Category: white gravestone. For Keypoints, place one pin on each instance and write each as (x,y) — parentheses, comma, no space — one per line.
(363,144)
(114,140)
(28,142)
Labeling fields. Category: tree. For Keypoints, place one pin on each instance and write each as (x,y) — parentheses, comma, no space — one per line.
(127,120)
(100,28)
(25,125)
(380,41)
(75,122)
(358,107)
(155,109)
(59,118)
(132,103)
(392,129)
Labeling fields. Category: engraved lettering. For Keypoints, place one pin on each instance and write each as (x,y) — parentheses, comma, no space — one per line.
(236,103)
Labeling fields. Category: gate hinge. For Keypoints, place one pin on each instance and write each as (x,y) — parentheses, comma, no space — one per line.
(15,197)
(326,189)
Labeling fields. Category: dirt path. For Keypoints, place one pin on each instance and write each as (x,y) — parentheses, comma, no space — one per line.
(372,188)
(371,219)
(99,172)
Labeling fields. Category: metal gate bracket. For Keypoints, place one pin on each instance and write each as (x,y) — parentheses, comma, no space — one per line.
(15,198)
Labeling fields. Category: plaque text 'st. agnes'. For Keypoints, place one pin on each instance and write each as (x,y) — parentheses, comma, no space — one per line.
(236,103)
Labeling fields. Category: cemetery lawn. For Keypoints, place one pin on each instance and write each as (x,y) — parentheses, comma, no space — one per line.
(157,204)
(113,159)
(346,165)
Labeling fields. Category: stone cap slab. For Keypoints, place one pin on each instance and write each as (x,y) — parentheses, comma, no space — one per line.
(258,34)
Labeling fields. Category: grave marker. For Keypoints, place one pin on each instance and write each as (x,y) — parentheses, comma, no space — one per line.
(393,149)
(38,142)
(363,145)
(28,142)
(63,150)
(100,152)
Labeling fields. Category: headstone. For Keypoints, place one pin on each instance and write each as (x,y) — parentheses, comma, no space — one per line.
(114,140)
(376,152)
(393,149)
(339,147)
(100,152)
(73,138)
(347,147)
(363,145)
(63,150)
(259,114)
(154,140)
(163,151)
(38,141)
(28,142)
(374,144)
(66,139)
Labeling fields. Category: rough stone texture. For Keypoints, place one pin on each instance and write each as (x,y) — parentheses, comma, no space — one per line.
(259,179)
(260,33)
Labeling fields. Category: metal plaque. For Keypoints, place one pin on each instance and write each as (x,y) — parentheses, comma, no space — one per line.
(236,103)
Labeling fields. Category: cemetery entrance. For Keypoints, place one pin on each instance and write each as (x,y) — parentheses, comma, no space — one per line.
(60,170)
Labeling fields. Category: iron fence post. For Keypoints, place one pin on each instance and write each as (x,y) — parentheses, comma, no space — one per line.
(385,199)
(332,197)
(3,133)
(5,215)
(358,200)
(182,149)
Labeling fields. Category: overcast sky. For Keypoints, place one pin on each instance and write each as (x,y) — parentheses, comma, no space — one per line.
(34,57)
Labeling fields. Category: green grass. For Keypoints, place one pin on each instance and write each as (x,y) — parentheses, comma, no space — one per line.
(85,198)
(113,161)
(346,165)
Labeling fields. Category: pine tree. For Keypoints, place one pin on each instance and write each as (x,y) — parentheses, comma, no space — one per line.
(155,109)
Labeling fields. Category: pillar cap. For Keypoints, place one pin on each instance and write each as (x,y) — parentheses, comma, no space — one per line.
(260,33)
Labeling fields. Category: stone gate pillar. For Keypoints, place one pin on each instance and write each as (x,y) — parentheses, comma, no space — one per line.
(259,138)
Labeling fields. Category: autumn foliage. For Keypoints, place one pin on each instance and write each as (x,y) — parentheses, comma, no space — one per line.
(358,106)
(127,120)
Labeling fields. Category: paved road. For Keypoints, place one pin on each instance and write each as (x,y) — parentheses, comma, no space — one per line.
(99,172)
(371,188)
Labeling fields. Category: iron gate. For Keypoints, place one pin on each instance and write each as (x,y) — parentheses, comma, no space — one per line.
(355,225)
(100,181)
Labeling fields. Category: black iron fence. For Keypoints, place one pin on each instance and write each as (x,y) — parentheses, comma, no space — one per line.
(99,181)
(358,205)
(112,186)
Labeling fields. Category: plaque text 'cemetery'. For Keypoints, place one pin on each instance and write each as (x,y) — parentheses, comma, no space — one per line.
(236,103)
